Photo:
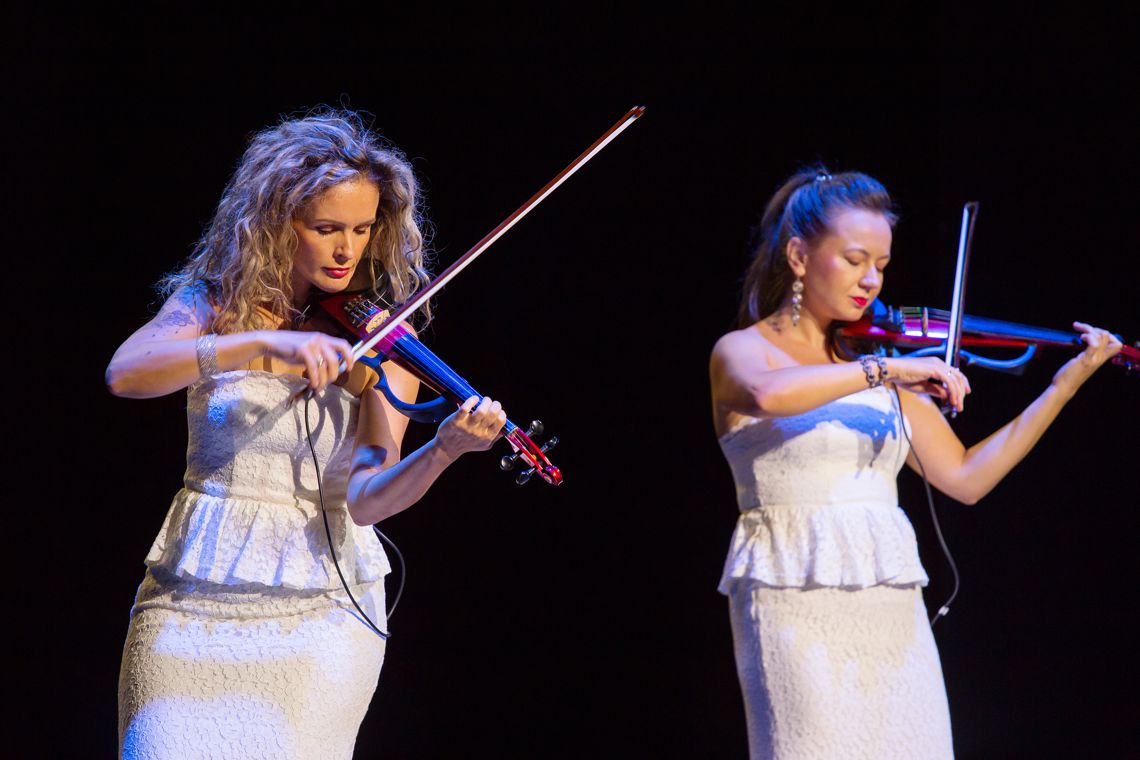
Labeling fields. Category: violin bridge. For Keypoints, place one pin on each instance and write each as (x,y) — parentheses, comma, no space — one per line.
(364,313)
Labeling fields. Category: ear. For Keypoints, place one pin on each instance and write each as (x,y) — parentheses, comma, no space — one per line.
(797,252)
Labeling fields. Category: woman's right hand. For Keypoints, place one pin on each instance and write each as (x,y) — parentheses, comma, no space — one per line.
(318,353)
(474,427)
(932,376)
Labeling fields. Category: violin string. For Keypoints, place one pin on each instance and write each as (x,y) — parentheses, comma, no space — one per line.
(413,350)
(418,352)
(328,533)
(944,610)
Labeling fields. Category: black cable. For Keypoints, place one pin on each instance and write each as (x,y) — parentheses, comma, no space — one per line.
(332,551)
(944,610)
(403,571)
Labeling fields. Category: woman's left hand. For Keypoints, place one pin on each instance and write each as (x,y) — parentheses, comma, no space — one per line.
(1100,346)
(474,427)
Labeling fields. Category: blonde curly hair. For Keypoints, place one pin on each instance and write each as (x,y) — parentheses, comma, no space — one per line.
(244,260)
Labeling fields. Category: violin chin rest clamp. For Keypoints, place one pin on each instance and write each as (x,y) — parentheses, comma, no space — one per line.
(1014,366)
(428,412)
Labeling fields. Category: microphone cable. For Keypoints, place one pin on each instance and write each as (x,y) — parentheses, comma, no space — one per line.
(328,533)
(944,610)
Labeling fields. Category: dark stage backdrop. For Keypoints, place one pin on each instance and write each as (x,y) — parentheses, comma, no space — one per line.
(584,621)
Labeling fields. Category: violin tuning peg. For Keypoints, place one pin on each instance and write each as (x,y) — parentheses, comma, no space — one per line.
(524,476)
(549,444)
(507,463)
(534,429)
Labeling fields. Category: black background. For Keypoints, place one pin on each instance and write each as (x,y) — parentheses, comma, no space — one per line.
(584,621)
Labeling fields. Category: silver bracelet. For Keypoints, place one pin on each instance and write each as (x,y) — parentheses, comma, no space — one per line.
(876,376)
(207,355)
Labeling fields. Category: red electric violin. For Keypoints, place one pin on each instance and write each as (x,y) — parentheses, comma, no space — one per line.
(926,330)
(934,332)
(363,318)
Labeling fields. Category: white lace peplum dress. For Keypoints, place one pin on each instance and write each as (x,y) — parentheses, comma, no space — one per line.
(834,652)
(242,642)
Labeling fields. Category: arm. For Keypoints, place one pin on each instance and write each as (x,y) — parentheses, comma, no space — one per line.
(969,474)
(161,357)
(744,380)
(380,483)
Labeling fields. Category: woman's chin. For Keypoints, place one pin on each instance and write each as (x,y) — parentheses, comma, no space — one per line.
(330,285)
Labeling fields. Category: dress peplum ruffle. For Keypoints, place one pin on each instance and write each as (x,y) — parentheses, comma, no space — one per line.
(808,518)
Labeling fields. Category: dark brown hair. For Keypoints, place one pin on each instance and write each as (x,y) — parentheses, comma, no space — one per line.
(803,207)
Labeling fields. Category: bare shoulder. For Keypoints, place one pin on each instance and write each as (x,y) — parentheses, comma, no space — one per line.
(738,359)
(747,342)
(188,306)
(185,314)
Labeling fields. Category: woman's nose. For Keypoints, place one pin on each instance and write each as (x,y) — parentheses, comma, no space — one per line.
(344,249)
(872,279)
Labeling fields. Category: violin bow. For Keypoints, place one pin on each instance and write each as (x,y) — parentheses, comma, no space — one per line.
(408,307)
(957,303)
(958,299)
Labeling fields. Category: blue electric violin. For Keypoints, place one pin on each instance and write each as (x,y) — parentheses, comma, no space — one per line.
(384,332)
(359,316)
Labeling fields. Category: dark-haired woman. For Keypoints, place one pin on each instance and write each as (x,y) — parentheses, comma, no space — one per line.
(833,649)
(242,642)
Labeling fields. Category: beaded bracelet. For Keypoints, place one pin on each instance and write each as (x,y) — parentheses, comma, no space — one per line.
(874,378)
(207,355)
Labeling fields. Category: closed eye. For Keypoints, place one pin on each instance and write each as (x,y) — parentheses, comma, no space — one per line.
(364,229)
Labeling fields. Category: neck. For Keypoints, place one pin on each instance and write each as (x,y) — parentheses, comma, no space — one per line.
(301,291)
(811,329)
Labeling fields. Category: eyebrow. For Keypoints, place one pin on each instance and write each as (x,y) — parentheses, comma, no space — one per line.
(864,251)
(322,220)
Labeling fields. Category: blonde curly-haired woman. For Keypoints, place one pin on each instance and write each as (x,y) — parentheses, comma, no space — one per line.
(242,641)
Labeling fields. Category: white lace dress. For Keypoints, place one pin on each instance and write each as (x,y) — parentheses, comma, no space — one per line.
(835,655)
(242,643)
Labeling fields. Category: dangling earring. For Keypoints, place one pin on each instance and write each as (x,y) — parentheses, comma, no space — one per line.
(797,300)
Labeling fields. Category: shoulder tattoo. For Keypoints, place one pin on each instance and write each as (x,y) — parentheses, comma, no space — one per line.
(175,318)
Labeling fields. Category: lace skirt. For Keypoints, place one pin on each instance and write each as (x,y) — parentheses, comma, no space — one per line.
(213,671)
(831,673)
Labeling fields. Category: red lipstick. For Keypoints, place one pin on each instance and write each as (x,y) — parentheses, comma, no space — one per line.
(859,301)
(336,274)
